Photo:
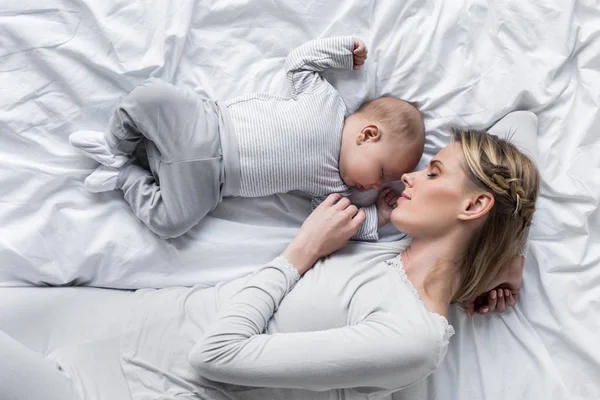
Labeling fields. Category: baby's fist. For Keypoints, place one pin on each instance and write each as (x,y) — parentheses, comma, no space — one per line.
(385,205)
(360,53)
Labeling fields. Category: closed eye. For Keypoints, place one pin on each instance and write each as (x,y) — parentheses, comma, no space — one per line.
(433,174)
(434,165)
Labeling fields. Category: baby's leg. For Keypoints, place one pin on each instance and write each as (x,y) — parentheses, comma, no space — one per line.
(150,111)
(177,121)
(26,374)
(184,156)
(139,116)
(187,192)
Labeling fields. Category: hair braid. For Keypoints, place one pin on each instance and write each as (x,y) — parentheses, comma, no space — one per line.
(498,167)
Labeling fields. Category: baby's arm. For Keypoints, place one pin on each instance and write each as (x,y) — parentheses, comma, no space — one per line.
(369,229)
(304,64)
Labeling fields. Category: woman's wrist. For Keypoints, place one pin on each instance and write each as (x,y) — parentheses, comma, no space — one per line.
(301,257)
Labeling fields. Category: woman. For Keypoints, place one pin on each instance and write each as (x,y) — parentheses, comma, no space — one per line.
(298,328)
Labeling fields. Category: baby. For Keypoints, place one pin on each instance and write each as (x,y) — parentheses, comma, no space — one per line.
(200,150)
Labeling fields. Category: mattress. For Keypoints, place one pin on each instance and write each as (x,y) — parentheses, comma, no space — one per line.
(65,65)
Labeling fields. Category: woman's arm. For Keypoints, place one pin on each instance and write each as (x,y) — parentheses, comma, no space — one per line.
(372,355)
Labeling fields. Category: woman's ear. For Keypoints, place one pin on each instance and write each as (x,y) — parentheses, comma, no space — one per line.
(369,133)
(476,206)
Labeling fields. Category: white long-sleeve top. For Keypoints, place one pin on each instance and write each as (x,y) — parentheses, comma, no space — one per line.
(352,327)
(288,144)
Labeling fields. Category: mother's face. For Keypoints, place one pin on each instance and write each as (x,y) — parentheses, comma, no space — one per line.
(434,199)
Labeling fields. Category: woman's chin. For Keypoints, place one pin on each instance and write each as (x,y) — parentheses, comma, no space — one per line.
(401,219)
(397,222)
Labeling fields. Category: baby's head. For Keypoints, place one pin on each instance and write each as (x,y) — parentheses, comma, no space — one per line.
(381,141)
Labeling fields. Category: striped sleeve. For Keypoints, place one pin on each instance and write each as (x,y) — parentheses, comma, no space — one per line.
(304,64)
(369,230)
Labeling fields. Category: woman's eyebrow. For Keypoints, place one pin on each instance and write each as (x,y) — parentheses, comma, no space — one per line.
(432,162)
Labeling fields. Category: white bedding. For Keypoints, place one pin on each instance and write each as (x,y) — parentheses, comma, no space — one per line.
(64,66)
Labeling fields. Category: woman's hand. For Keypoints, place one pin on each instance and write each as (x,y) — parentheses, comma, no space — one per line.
(360,53)
(494,300)
(326,230)
(504,292)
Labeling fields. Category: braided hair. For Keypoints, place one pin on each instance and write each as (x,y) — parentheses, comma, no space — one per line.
(496,166)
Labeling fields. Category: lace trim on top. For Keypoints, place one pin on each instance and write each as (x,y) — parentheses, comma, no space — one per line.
(285,264)
(397,264)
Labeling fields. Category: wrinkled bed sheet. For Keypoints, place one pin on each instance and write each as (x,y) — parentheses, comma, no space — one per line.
(64,65)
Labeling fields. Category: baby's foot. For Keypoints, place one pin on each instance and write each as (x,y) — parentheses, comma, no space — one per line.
(93,145)
(103,179)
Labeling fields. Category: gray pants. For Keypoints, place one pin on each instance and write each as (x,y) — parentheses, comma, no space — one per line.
(180,131)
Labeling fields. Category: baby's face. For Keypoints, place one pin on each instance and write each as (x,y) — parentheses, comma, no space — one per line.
(371,164)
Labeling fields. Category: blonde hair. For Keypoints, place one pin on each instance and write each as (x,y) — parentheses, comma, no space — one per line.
(496,166)
(398,116)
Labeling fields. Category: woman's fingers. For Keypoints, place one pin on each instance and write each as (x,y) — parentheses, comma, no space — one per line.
(485,304)
(332,199)
(358,220)
(511,299)
(501,306)
(351,210)
(498,299)
(492,301)
(342,204)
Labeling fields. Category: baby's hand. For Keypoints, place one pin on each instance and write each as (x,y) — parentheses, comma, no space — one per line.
(360,53)
(385,205)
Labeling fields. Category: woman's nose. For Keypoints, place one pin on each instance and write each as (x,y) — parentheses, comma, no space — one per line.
(408,179)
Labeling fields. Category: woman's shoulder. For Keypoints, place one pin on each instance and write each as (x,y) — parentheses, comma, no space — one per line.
(412,304)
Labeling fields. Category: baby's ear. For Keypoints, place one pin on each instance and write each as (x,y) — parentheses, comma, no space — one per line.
(370,133)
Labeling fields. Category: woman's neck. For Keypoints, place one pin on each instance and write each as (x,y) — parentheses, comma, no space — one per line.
(430,264)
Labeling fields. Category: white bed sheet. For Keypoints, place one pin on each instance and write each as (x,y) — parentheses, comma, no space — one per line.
(65,65)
